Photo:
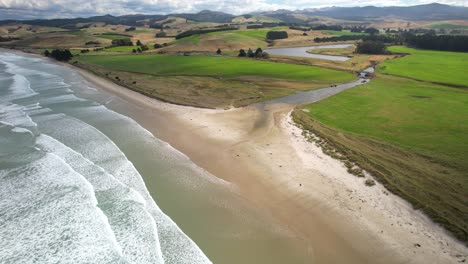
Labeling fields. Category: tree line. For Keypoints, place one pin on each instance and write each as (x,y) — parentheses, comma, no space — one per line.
(258,53)
(438,42)
(421,41)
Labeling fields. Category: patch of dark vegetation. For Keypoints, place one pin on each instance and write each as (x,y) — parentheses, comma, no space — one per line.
(122,42)
(92,43)
(7,39)
(417,178)
(369,182)
(371,47)
(420,96)
(272,35)
(328,27)
(59,54)
(161,34)
(438,42)
(259,53)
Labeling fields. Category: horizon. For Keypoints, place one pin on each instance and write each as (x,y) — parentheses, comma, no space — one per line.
(60,9)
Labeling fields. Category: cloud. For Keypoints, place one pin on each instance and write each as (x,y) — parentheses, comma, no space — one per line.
(27,9)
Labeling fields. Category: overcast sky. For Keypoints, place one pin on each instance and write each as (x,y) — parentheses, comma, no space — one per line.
(26,9)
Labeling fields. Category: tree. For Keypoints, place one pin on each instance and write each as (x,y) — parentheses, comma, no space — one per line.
(138,43)
(372,31)
(250,53)
(158,46)
(139,50)
(122,42)
(134,50)
(46,53)
(265,55)
(61,55)
(242,53)
(371,47)
(258,53)
(144,48)
(218,51)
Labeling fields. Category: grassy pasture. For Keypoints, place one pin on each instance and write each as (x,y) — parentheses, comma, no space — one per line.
(213,82)
(411,135)
(427,65)
(342,33)
(216,66)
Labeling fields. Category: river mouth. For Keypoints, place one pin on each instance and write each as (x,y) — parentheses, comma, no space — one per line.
(302,52)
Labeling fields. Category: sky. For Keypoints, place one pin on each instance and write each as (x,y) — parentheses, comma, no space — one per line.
(29,9)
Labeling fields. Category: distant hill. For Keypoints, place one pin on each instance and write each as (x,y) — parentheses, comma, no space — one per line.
(431,12)
(129,20)
(208,16)
(418,12)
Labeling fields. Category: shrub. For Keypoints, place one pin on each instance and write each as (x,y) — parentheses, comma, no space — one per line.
(61,55)
(242,53)
(157,46)
(250,53)
(161,34)
(369,182)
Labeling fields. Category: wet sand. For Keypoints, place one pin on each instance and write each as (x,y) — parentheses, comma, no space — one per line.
(260,151)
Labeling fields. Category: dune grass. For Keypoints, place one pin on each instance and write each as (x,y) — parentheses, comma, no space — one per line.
(411,135)
(427,65)
(216,66)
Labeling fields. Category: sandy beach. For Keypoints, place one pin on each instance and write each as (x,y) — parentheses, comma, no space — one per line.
(261,151)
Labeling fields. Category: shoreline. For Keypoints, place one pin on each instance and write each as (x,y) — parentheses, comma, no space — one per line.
(330,208)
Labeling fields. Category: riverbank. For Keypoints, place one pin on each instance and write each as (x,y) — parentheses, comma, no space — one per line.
(275,168)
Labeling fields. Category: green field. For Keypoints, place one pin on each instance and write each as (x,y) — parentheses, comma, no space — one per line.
(212,82)
(411,135)
(253,33)
(342,33)
(216,66)
(427,65)
(403,112)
